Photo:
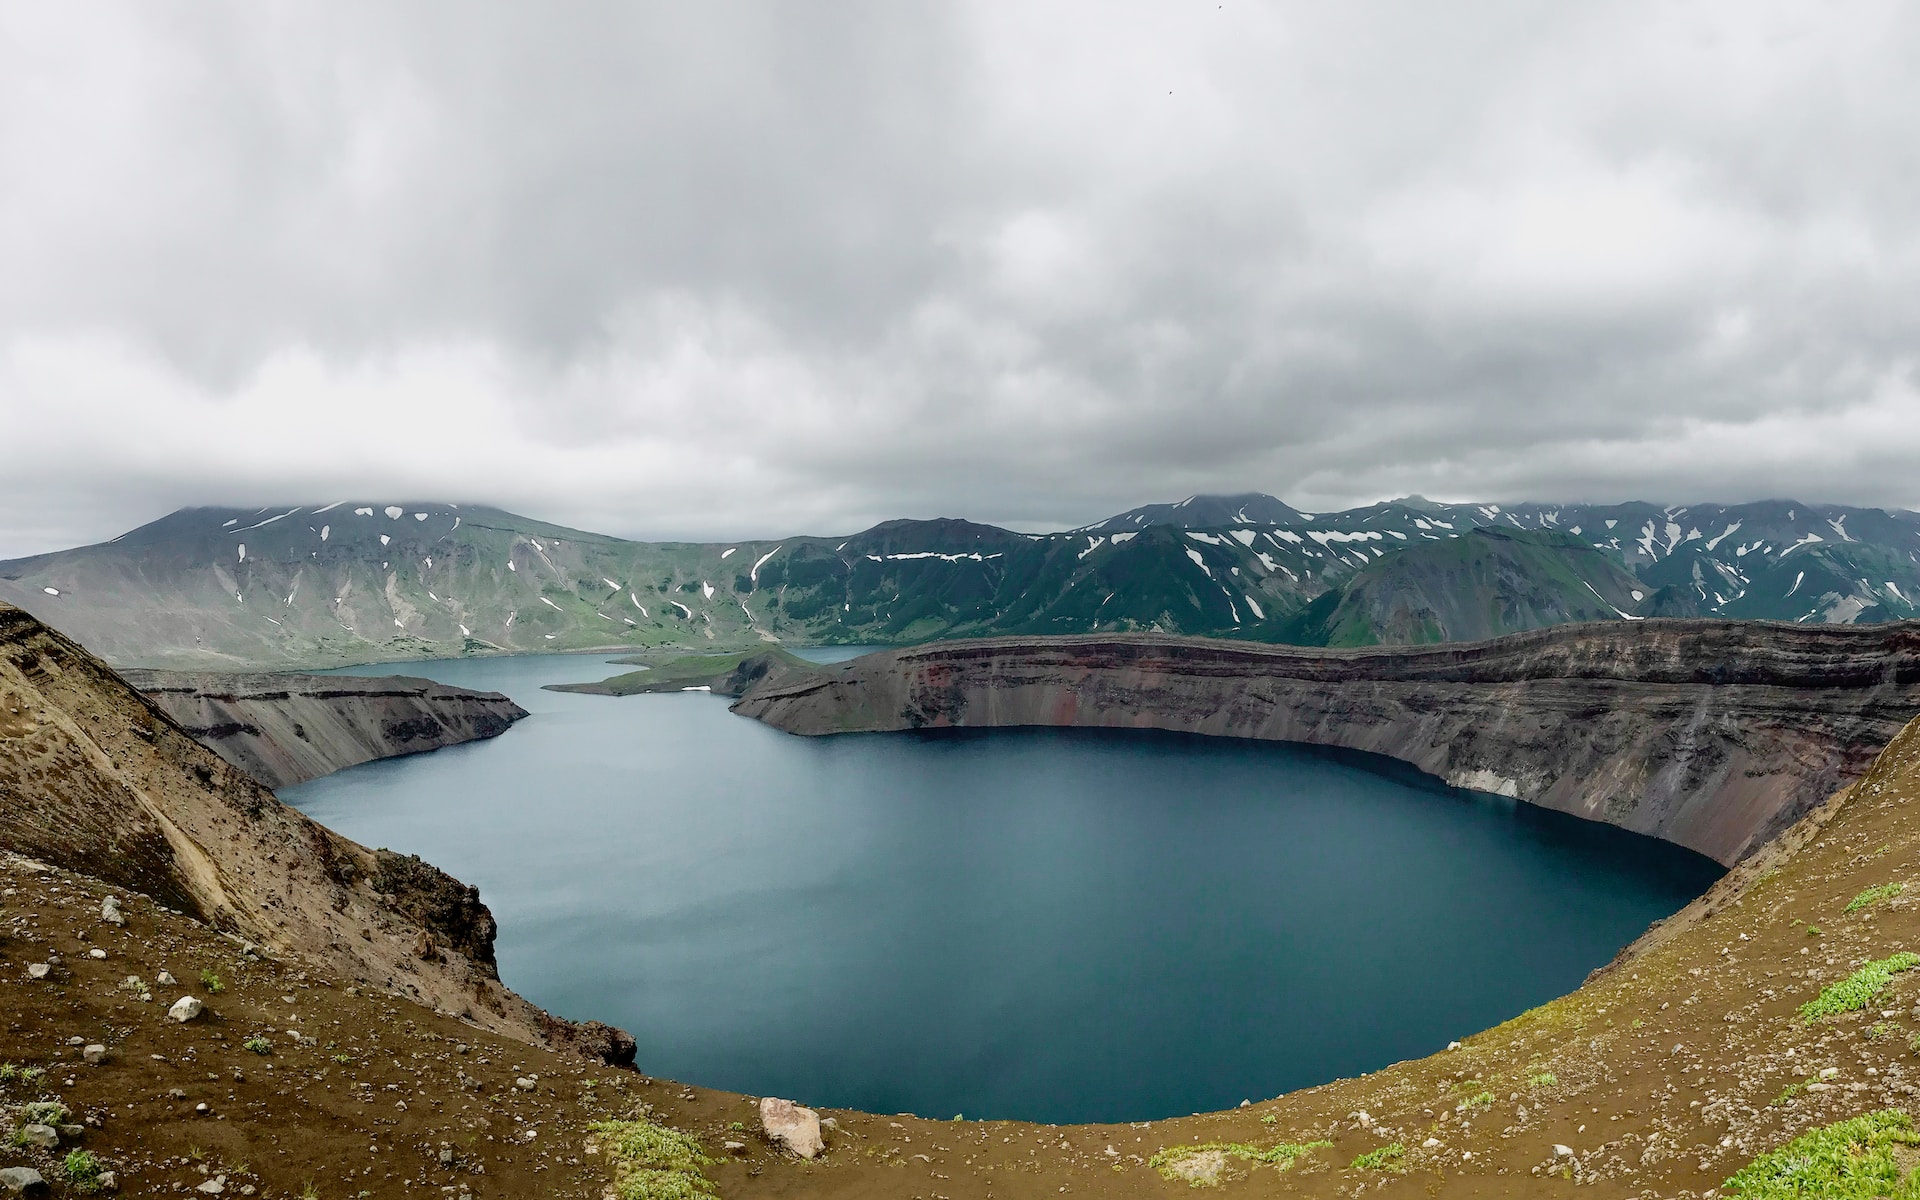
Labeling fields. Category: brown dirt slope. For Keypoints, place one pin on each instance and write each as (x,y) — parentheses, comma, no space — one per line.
(95,778)
(1715,735)
(1660,1077)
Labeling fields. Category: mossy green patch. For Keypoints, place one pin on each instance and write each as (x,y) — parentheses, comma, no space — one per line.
(1848,1160)
(1176,1162)
(652,1162)
(1874,895)
(1858,989)
(1390,1157)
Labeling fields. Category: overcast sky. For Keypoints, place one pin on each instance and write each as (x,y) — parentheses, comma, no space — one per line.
(715,269)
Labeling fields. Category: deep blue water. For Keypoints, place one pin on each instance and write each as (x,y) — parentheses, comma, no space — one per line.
(1059,925)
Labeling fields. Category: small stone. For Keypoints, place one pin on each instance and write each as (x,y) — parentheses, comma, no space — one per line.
(186,1008)
(109,1181)
(202,1108)
(110,911)
(793,1126)
(76,1040)
(830,1123)
(38,970)
(96,952)
(446,1156)
(1430,1143)
(23,1181)
(95,1053)
(1560,1151)
(70,1132)
(46,1137)
(214,1186)
(165,979)
(1453,1045)
(736,1147)
(526,1084)
(176,1093)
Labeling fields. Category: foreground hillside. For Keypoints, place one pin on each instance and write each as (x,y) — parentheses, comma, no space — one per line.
(96,778)
(1690,1056)
(353,582)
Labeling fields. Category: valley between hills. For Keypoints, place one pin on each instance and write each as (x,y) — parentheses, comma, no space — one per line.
(357,1040)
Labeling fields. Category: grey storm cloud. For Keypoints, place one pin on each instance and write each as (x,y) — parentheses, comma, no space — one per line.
(722,269)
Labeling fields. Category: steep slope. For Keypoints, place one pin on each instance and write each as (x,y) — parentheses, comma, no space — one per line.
(286,729)
(96,778)
(1714,735)
(1490,582)
(1670,1070)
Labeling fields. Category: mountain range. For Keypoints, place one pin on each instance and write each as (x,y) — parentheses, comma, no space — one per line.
(356,581)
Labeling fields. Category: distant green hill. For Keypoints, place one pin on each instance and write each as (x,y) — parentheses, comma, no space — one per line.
(367,580)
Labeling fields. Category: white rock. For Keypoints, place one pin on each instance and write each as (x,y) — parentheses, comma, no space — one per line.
(165,979)
(186,1008)
(38,970)
(791,1125)
(1560,1151)
(94,1053)
(110,911)
(96,952)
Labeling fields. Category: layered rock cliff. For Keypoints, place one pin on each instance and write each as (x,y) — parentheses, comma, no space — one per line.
(1713,735)
(286,729)
(97,779)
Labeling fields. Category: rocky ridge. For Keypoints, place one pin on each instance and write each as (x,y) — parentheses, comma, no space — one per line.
(284,729)
(1714,735)
(97,779)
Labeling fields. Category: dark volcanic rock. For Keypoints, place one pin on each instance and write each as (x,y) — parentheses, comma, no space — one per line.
(1714,735)
(286,729)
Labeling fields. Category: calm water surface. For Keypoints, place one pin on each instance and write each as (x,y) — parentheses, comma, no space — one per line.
(1059,925)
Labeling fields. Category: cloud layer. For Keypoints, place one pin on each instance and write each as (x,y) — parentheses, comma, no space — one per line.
(726,269)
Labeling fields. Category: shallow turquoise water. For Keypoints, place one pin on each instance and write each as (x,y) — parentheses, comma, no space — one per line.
(1059,925)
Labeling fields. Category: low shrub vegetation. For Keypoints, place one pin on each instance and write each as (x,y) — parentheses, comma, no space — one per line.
(653,1162)
(83,1170)
(1848,1160)
(1857,990)
(1387,1158)
(1170,1161)
(1874,895)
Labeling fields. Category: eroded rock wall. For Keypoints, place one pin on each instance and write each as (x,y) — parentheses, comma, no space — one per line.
(95,778)
(1713,735)
(286,729)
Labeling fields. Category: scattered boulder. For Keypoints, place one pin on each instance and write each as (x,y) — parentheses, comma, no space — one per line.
(110,911)
(38,970)
(527,1083)
(793,1126)
(95,1053)
(165,979)
(23,1181)
(46,1137)
(186,1008)
(96,952)
(1202,1169)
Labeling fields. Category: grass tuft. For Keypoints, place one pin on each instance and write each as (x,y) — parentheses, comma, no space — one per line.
(1280,1157)
(83,1171)
(1386,1158)
(1857,990)
(653,1162)
(1874,895)
(1848,1160)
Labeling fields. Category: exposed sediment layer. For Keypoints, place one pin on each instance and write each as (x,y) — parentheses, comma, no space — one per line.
(97,779)
(1713,735)
(286,729)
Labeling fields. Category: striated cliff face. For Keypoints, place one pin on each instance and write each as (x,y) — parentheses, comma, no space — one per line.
(1713,735)
(97,779)
(286,729)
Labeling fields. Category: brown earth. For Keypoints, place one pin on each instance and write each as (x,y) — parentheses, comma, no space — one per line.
(287,729)
(95,778)
(1715,735)
(1662,1075)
